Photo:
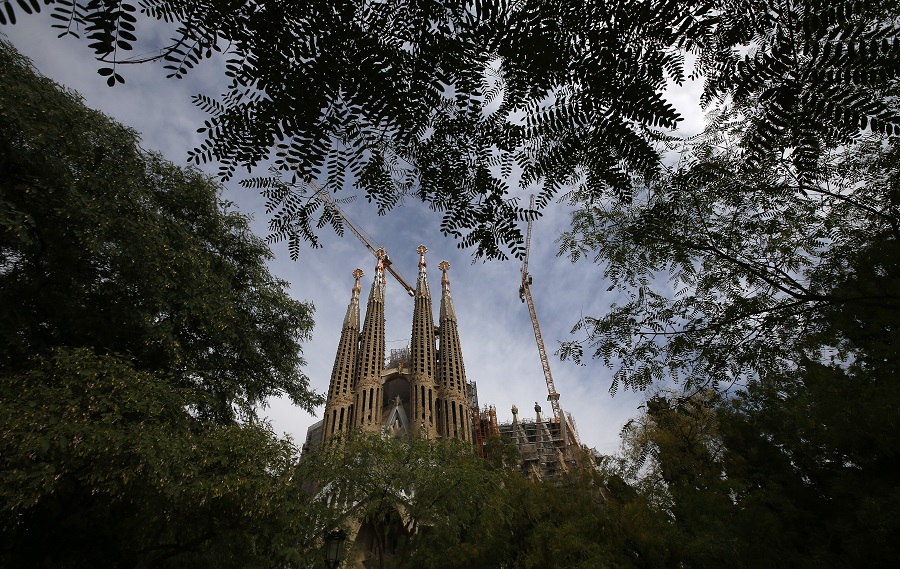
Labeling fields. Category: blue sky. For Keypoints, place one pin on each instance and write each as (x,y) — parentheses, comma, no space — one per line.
(495,329)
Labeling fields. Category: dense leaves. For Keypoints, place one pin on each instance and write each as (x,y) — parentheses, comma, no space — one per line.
(418,503)
(796,471)
(460,103)
(140,331)
(107,247)
(397,496)
(814,71)
(729,268)
(573,523)
(102,466)
(797,466)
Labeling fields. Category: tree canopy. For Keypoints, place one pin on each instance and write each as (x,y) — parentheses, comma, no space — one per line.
(797,471)
(104,246)
(460,103)
(732,271)
(424,503)
(141,330)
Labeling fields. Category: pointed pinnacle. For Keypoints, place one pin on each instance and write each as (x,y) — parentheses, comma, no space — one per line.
(444,266)
(357,274)
(421,249)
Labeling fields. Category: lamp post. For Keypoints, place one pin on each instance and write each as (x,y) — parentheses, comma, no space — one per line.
(334,541)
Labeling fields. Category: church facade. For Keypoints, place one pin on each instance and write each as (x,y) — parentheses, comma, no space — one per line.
(421,391)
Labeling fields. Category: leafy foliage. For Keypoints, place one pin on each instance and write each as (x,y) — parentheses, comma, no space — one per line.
(809,72)
(103,246)
(752,258)
(425,504)
(797,469)
(140,331)
(8,13)
(399,495)
(798,465)
(102,465)
(435,99)
(587,520)
(440,99)
(459,103)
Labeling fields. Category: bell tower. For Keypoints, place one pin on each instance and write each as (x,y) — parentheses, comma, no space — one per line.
(370,360)
(423,389)
(456,416)
(339,408)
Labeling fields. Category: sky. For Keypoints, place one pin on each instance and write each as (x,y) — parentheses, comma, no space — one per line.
(497,339)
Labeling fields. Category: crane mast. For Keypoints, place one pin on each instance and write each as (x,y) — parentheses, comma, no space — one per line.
(386,261)
(525,296)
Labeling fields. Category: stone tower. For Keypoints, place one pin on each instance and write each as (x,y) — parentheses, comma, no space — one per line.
(370,359)
(339,409)
(422,391)
(456,419)
(423,361)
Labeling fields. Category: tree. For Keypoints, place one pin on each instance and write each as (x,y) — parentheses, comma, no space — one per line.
(589,519)
(747,280)
(760,287)
(141,330)
(762,265)
(731,268)
(103,465)
(794,471)
(104,245)
(422,503)
(457,103)
(717,513)
(399,497)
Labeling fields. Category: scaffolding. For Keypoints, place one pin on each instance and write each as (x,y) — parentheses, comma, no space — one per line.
(540,442)
(398,359)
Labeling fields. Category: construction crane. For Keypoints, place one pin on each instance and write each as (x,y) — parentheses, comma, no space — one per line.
(525,296)
(386,260)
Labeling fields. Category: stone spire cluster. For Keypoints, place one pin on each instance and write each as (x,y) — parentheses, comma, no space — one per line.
(425,393)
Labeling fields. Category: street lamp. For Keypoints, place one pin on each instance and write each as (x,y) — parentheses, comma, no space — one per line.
(334,541)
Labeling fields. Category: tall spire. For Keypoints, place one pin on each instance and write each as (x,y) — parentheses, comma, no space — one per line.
(447,311)
(370,360)
(424,396)
(451,369)
(422,281)
(339,407)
